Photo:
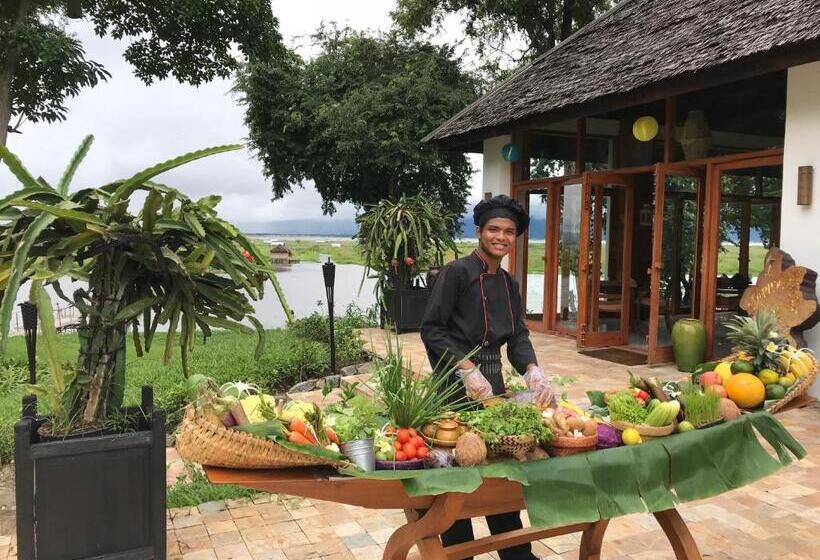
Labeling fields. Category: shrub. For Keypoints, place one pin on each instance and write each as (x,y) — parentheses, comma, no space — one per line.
(349,346)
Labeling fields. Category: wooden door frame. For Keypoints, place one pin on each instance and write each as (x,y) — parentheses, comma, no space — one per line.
(711,241)
(586,305)
(656,353)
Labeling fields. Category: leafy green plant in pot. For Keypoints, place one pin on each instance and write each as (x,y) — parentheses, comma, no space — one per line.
(165,260)
(400,239)
(356,422)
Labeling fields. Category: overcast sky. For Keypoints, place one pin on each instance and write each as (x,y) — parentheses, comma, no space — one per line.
(136,125)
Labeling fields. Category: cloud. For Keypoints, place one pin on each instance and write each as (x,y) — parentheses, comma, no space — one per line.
(137,125)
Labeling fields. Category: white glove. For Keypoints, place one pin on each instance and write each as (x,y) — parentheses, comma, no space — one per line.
(475,384)
(543,393)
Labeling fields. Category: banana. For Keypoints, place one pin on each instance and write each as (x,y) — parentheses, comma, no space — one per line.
(806,359)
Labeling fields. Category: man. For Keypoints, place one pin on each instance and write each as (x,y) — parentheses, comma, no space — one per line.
(475,304)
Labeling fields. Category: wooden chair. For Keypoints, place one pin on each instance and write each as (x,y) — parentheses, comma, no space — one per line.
(729,291)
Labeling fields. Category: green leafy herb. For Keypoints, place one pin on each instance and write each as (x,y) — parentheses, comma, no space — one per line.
(358,419)
(411,400)
(508,419)
(700,407)
(624,407)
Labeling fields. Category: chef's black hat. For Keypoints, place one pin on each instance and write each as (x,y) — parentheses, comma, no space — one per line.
(501,206)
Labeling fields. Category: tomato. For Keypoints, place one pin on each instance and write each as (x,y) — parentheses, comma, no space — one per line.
(410,451)
(397,445)
(417,441)
(404,435)
(422,452)
(400,456)
(643,395)
(413,432)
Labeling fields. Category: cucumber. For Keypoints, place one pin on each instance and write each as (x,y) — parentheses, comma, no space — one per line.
(702,368)
(663,414)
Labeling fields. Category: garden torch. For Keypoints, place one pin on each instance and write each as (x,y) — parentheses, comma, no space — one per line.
(329,272)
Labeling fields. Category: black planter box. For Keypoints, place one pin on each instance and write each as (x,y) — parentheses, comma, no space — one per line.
(404,309)
(99,497)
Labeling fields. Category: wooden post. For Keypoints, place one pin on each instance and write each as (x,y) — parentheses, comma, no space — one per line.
(670,111)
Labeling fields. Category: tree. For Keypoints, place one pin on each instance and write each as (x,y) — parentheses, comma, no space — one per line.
(352,119)
(41,64)
(509,32)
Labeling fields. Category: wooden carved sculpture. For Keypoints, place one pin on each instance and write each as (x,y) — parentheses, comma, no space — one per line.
(787,290)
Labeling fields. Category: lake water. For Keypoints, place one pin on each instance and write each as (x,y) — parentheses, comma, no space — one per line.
(302,283)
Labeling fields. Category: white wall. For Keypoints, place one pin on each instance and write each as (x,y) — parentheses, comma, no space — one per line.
(496,175)
(800,225)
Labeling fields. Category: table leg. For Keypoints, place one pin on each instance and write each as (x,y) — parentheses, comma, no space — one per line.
(592,539)
(678,534)
(424,530)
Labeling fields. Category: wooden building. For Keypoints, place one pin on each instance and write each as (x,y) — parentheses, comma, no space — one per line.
(657,152)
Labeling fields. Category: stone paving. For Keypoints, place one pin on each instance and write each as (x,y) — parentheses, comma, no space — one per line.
(778,517)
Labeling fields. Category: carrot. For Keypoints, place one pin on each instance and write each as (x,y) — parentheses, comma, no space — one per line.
(331,435)
(296,437)
(298,425)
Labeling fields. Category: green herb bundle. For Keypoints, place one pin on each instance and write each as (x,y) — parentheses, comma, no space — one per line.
(624,407)
(700,407)
(357,419)
(410,400)
(507,419)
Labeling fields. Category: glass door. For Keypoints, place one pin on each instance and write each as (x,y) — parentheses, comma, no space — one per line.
(534,288)
(605,260)
(674,275)
(565,256)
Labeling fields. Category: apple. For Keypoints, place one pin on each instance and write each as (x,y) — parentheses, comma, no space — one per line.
(711,378)
(719,390)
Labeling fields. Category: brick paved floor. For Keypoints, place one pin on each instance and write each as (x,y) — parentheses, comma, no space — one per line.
(775,518)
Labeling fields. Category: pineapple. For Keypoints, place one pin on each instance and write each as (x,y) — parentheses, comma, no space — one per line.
(757,338)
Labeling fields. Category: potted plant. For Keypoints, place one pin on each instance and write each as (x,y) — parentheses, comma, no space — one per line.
(166,261)
(401,239)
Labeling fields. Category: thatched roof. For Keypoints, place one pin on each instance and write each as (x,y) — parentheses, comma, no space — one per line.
(644,50)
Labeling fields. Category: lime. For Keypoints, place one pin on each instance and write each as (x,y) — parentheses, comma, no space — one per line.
(724,370)
(775,392)
(742,366)
(631,437)
(685,426)
(787,380)
(768,376)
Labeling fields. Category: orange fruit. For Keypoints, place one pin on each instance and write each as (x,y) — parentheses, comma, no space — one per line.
(746,390)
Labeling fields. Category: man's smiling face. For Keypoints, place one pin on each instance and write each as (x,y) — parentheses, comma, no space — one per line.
(496,237)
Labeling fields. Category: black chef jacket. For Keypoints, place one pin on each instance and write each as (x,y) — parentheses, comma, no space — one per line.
(471,307)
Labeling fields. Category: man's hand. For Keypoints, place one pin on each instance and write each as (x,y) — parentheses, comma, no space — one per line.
(475,384)
(543,393)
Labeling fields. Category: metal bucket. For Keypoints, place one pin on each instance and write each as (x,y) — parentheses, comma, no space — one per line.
(361,452)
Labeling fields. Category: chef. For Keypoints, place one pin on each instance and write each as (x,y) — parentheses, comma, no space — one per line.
(475,305)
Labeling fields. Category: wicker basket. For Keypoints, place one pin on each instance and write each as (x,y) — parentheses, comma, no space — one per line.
(201,441)
(647,432)
(512,446)
(563,446)
(798,389)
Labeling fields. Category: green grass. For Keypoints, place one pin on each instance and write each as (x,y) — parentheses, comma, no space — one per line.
(348,250)
(197,490)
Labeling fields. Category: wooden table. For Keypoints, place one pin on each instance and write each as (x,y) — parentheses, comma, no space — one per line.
(429,516)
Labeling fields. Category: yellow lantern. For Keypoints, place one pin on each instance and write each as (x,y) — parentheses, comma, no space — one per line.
(645,128)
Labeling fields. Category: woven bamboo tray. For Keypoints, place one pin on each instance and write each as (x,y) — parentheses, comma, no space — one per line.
(564,446)
(201,441)
(798,389)
(512,446)
(647,432)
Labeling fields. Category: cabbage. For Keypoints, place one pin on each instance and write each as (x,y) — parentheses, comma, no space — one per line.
(607,436)
(250,405)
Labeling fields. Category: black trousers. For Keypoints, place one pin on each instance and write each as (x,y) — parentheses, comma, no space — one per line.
(462,531)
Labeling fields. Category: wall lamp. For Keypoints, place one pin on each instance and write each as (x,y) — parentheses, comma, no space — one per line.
(805,175)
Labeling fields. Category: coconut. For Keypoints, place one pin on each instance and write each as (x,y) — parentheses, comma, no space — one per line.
(470,450)
(728,409)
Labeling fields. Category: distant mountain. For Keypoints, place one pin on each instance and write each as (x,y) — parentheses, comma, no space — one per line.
(347,226)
